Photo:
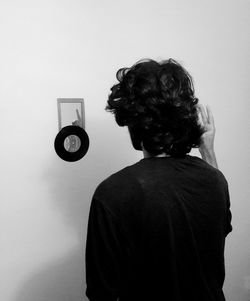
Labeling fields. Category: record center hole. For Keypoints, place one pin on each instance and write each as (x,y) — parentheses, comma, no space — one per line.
(72,143)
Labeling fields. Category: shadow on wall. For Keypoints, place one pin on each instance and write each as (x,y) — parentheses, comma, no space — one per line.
(62,279)
(71,188)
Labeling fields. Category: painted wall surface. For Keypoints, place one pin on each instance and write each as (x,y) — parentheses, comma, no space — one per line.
(72,48)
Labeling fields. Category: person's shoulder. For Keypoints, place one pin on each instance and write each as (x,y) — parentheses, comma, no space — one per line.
(209,170)
(120,184)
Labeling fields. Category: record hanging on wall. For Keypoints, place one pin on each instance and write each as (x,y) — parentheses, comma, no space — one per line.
(71,143)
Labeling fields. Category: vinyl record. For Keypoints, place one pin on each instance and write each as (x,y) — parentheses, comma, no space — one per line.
(76,140)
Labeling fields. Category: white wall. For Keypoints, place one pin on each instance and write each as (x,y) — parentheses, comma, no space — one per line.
(72,48)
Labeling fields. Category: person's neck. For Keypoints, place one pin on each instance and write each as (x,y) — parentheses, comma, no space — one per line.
(146,154)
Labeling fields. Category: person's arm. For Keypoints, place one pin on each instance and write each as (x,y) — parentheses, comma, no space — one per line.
(209,156)
(103,254)
(207,139)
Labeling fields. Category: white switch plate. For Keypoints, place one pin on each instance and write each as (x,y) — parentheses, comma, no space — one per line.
(67,111)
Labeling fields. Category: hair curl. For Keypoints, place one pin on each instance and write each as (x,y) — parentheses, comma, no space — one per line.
(156,101)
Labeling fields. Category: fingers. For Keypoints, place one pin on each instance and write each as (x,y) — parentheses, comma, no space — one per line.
(203,114)
(210,116)
(206,115)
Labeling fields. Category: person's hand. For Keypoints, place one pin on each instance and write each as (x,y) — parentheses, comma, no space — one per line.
(207,138)
(77,122)
(207,122)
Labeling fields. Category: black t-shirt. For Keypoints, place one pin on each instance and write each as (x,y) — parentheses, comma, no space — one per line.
(156,231)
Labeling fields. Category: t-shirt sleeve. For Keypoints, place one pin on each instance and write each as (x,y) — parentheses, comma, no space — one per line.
(103,254)
(228,225)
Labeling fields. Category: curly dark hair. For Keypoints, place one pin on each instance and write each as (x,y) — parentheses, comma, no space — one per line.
(156,101)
